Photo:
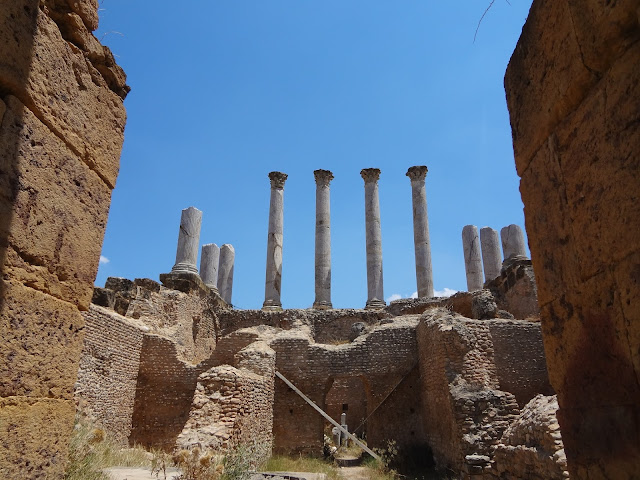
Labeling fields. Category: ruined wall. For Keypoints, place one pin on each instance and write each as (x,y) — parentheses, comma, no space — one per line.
(61,131)
(521,365)
(108,373)
(573,91)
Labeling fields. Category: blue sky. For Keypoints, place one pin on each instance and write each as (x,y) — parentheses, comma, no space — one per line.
(224,92)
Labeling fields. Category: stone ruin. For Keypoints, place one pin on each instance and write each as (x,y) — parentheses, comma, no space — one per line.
(572,93)
(459,380)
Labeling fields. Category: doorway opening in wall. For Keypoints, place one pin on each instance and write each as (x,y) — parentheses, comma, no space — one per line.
(346,395)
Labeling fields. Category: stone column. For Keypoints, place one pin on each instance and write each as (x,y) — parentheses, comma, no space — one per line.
(209,258)
(472,259)
(375,293)
(225,272)
(513,242)
(424,272)
(323,240)
(188,240)
(274,243)
(491,256)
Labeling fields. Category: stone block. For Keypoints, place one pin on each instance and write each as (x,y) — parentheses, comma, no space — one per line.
(34,437)
(59,209)
(545,79)
(41,343)
(62,88)
(103,297)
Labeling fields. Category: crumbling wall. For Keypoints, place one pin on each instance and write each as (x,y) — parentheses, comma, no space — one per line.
(573,91)
(61,131)
(515,290)
(108,373)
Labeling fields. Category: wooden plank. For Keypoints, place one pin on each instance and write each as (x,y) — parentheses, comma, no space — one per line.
(322,412)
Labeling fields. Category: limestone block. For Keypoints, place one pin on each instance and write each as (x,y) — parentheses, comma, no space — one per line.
(41,343)
(58,205)
(34,437)
(87,10)
(63,88)
(555,78)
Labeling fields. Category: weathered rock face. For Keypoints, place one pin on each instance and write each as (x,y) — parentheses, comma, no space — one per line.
(573,91)
(61,131)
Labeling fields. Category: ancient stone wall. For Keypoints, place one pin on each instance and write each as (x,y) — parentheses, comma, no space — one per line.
(573,91)
(106,386)
(521,365)
(61,131)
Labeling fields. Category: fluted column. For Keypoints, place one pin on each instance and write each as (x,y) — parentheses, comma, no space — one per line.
(188,240)
(375,291)
(225,272)
(273,281)
(209,258)
(323,240)
(513,242)
(422,243)
(491,256)
(472,259)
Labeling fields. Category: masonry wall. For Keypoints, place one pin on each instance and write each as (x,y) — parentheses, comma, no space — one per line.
(521,365)
(61,130)
(573,91)
(108,372)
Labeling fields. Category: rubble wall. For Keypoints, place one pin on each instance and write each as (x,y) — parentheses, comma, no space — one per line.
(61,131)
(573,92)
(521,365)
(108,373)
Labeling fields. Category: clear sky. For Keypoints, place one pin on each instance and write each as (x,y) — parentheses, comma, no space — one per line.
(224,92)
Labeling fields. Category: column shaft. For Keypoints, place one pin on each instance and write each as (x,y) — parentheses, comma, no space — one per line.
(375,290)
(225,272)
(209,259)
(513,242)
(323,240)
(472,259)
(421,240)
(273,281)
(188,240)
(491,256)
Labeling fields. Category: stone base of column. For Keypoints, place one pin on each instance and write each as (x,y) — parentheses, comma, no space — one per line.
(271,306)
(185,282)
(322,305)
(184,268)
(375,304)
(213,288)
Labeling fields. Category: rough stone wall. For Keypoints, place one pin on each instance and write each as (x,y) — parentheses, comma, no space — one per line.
(515,290)
(464,412)
(61,131)
(519,357)
(233,405)
(106,385)
(532,446)
(573,91)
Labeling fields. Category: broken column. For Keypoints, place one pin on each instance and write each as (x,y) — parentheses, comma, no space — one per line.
(188,240)
(209,259)
(274,243)
(472,259)
(375,295)
(225,272)
(491,256)
(323,240)
(513,242)
(424,273)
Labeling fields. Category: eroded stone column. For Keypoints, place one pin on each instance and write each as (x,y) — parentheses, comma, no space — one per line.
(323,240)
(491,256)
(188,240)
(209,258)
(513,242)
(273,281)
(472,259)
(225,272)
(424,272)
(375,289)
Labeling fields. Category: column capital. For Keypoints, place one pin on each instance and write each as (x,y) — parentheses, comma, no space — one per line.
(323,177)
(277,179)
(370,174)
(418,172)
